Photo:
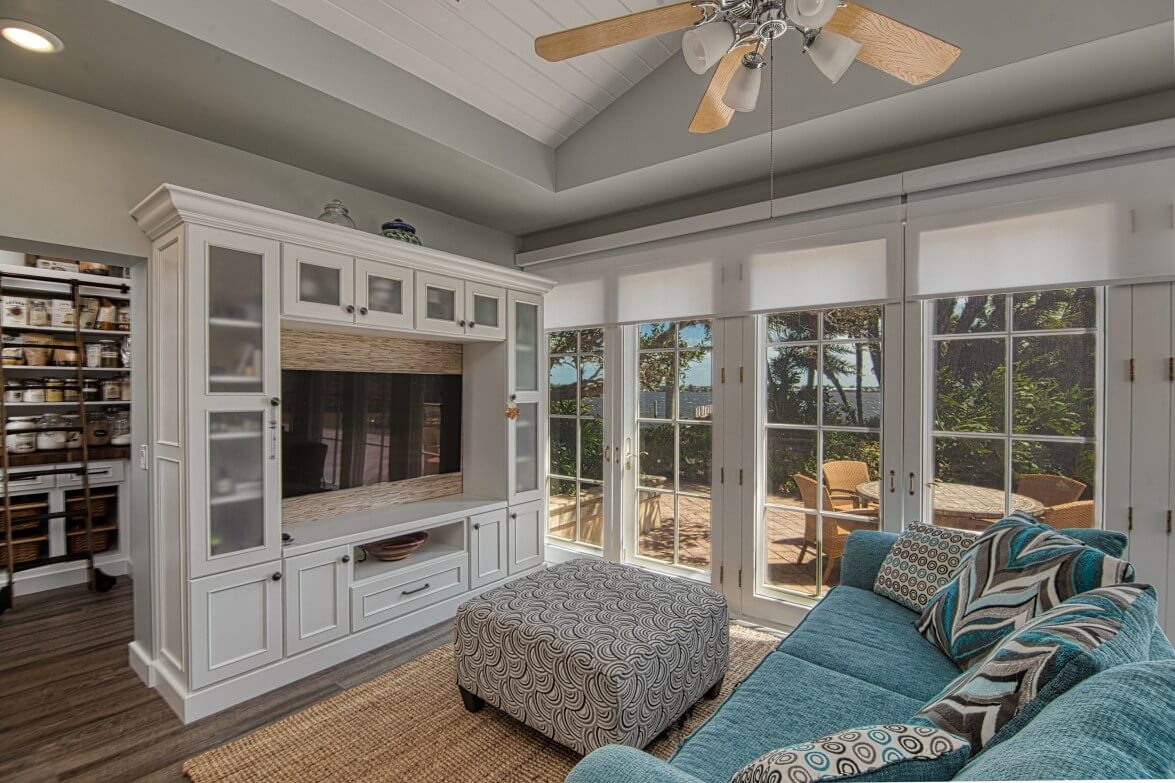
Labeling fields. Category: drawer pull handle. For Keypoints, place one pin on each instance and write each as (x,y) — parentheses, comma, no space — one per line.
(417,590)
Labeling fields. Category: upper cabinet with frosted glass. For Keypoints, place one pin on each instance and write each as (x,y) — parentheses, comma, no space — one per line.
(526,382)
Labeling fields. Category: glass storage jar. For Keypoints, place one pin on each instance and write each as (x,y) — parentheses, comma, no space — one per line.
(120,429)
(51,433)
(90,391)
(34,391)
(98,429)
(72,392)
(54,390)
(109,353)
(73,435)
(111,390)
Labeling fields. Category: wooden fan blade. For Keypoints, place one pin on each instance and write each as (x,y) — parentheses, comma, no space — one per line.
(888,45)
(713,114)
(612,32)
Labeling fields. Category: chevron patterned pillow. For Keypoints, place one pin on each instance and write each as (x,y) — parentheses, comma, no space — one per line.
(1017,569)
(1086,634)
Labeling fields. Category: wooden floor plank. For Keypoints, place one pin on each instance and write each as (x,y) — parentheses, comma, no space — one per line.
(71,708)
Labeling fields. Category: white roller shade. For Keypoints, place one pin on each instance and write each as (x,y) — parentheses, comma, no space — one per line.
(767,266)
(1111,226)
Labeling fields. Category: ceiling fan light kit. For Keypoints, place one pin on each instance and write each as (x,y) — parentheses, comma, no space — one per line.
(735,34)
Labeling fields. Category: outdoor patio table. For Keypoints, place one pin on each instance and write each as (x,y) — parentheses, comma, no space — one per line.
(963,505)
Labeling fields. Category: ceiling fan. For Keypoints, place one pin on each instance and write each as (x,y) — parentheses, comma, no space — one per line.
(735,34)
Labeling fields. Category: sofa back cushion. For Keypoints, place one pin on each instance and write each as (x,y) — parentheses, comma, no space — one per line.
(1086,634)
(922,560)
(887,752)
(1017,569)
(1116,724)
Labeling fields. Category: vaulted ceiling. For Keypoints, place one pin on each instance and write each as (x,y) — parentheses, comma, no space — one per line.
(444,103)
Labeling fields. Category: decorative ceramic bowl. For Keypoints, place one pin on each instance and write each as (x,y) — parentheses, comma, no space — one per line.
(399,230)
(396,548)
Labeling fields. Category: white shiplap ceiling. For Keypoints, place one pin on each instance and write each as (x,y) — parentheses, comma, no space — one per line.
(482,52)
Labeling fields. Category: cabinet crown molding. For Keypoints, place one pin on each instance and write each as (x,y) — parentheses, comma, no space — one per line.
(169,205)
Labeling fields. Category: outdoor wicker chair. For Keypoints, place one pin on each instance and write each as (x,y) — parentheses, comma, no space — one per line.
(842,477)
(1079,513)
(836,531)
(1050,490)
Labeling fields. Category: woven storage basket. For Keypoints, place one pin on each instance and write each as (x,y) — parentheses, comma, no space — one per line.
(21,514)
(77,542)
(22,551)
(99,505)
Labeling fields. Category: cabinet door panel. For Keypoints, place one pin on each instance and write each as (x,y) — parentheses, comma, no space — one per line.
(383,294)
(485,311)
(526,382)
(526,537)
(236,623)
(316,598)
(488,548)
(317,284)
(440,304)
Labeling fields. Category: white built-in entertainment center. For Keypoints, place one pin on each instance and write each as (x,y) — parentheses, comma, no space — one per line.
(235,611)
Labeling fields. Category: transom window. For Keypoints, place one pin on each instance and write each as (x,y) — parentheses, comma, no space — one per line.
(576,474)
(822,441)
(675,409)
(1014,381)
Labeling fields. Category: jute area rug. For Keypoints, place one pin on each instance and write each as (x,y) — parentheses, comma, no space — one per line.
(408,725)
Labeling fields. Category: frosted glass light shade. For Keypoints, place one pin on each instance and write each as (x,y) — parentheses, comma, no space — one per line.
(704,45)
(833,54)
(811,13)
(743,92)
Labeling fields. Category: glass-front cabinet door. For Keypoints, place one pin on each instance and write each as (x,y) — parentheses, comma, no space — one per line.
(440,304)
(383,294)
(527,433)
(317,284)
(233,479)
(485,311)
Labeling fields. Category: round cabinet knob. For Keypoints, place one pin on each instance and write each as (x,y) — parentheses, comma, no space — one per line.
(472,324)
(461,323)
(350,308)
(275,401)
(277,576)
(346,558)
(514,516)
(362,311)
(477,526)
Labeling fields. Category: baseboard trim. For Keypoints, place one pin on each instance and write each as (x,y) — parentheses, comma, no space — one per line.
(64,575)
(140,663)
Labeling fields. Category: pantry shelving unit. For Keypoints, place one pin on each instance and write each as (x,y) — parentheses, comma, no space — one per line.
(26,525)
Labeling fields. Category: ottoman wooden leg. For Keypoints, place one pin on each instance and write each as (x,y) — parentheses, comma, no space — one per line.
(715,689)
(472,701)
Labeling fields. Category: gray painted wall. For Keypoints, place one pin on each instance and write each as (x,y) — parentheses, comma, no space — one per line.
(72,171)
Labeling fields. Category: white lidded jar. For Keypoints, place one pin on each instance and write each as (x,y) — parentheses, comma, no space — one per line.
(20,435)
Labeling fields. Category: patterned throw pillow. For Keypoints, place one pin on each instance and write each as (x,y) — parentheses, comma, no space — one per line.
(891,752)
(922,560)
(1017,569)
(1086,634)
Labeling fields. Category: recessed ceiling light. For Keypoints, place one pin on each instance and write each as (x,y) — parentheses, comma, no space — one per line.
(29,36)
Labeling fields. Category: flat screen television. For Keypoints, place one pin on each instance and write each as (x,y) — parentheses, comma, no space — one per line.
(352,429)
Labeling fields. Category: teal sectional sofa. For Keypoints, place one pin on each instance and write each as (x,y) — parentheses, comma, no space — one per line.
(857,660)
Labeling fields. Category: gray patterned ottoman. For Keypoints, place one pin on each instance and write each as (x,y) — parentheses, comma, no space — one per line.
(591,653)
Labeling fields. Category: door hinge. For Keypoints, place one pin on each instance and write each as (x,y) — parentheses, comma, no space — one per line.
(740,374)
(722,375)
(1132,373)
(1171,369)
(1129,518)
(740,477)
(721,574)
(740,578)
(1168,521)
(721,475)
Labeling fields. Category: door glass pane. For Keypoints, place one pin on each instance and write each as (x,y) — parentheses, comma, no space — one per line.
(385,294)
(235,331)
(969,385)
(822,445)
(577,435)
(526,347)
(485,310)
(675,442)
(236,489)
(1038,447)
(441,304)
(526,434)
(319,284)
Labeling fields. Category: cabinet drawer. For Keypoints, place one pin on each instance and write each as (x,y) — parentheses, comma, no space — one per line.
(18,482)
(380,599)
(103,473)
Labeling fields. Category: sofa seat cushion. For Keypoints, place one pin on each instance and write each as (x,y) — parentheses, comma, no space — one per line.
(1115,725)
(890,752)
(786,700)
(1017,569)
(861,634)
(1082,636)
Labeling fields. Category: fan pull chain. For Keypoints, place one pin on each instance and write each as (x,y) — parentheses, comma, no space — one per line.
(771,137)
